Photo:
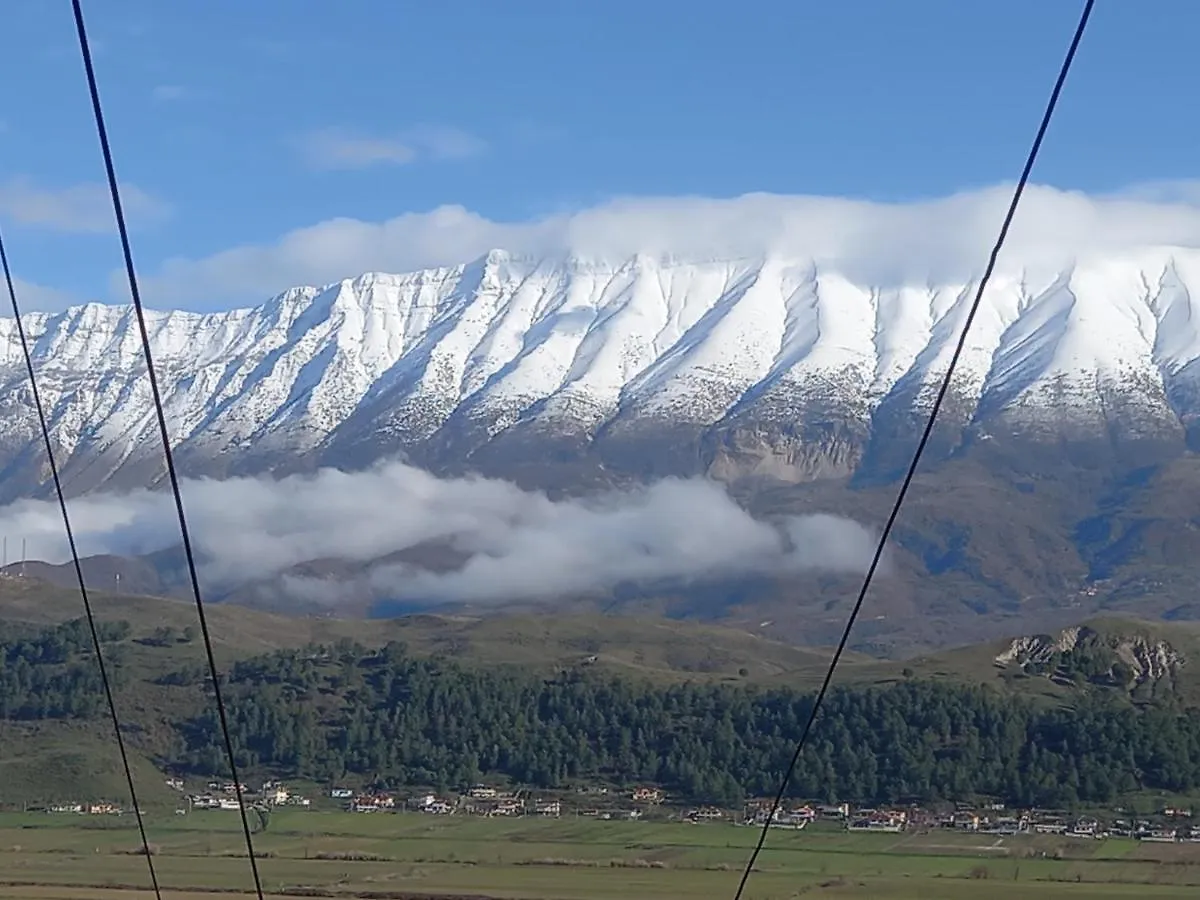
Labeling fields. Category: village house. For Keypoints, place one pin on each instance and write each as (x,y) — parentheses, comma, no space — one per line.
(1050,826)
(834,811)
(432,804)
(755,813)
(1085,827)
(1005,825)
(227,787)
(1159,836)
(877,820)
(791,818)
(1121,828)
(964,821)
(366,803)
(547,807)
(647,795)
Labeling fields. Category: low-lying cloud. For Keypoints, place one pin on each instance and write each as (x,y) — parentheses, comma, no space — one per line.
(514,544)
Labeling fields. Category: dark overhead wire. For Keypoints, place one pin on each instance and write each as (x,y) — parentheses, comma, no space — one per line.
(83,591)
(925,436)
(172,473)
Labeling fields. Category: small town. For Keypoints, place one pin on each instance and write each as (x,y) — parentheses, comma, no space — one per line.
(1169,825)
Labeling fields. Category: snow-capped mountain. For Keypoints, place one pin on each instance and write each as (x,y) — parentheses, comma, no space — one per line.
(643,366)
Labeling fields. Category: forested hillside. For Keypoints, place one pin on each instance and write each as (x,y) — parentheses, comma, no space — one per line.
(385,715)
(327,712)
(46,675)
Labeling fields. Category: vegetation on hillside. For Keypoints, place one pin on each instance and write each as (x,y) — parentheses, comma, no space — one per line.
(325,712)
(51,674)
(643,646)
(387,715)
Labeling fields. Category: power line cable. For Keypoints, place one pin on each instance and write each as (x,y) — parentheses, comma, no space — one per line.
(943,389)
(83,591)
(172,473)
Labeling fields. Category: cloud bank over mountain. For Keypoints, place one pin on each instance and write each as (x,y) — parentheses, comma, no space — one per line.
(516,544)
(885,244)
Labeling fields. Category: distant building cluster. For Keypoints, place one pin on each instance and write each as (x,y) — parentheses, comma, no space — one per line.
(87,809)
(799,816)
(480,800)
(1170,825)
(489,801)
(224,795)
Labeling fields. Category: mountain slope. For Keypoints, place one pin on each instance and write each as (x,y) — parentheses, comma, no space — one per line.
(638,367)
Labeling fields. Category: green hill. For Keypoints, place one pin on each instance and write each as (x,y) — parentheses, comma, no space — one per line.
(64,761)
(161,678)
(54,760)
(652,647)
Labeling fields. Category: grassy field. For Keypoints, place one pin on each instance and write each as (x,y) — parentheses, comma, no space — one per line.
(389,857)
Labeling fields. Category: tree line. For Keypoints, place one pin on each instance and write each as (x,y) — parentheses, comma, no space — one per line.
(330,712)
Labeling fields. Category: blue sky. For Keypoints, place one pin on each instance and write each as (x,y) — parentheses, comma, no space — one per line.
(236,123)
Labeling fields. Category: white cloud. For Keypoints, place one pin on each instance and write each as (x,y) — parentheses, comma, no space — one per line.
(335,148)
(1179,191)
(169,93)
(517,544)
(944,240)
(85,208)
(445,142)
(39,298)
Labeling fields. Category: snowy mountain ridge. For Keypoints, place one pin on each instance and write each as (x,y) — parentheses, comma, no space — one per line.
(793,369)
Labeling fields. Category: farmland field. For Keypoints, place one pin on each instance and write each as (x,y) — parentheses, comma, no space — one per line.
(394,856)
